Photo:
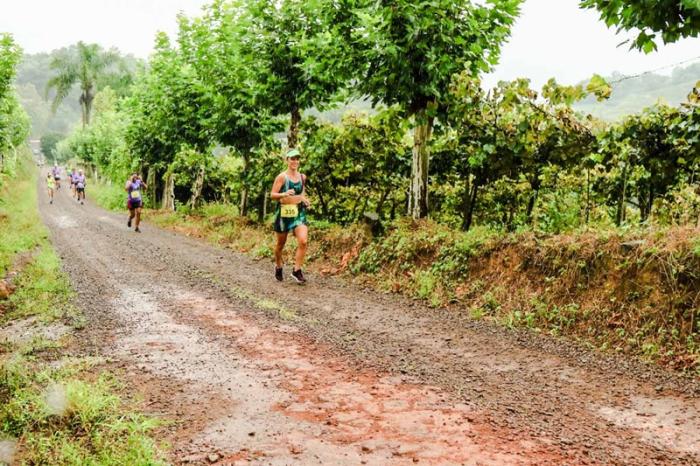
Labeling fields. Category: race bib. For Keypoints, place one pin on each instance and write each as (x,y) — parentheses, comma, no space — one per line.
(135,195)
(289,211)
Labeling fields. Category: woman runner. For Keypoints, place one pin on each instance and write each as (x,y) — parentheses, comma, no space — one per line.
(56,175)
(80,186)
(73,181)
(50,186)
(289,189)
(134,200)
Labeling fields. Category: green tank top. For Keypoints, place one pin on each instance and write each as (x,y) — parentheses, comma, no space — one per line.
(288,224)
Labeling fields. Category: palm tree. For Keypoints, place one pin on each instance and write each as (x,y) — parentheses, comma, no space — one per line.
(84,65)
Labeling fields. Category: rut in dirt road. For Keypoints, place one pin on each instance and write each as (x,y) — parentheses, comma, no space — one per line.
(348,376)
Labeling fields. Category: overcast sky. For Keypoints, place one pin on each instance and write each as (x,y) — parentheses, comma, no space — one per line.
(551,37)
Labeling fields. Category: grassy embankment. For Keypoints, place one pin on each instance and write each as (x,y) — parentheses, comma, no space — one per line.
(630,291)
(54,409)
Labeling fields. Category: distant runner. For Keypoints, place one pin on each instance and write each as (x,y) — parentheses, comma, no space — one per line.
(56,175)
(73,182)
(80,186)
(289,189)
(50,186)
(134,201)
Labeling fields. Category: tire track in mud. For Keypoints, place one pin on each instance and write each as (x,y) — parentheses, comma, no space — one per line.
(189,324)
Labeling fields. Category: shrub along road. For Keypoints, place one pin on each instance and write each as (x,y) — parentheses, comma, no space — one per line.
(254,371)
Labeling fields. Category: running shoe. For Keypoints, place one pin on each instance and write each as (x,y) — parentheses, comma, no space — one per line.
(298,276)
(278,274)
(137,230)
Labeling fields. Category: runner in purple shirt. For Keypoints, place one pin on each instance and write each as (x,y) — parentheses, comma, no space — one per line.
(80,186)
(73,183)
(56,172)
(134,201)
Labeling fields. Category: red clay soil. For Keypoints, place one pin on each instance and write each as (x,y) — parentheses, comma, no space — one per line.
(255,372)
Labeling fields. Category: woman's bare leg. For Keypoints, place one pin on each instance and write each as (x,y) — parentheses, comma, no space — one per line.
(301,233)
(279,247)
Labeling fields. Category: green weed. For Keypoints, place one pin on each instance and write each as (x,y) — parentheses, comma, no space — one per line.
(59,419)
(108,196)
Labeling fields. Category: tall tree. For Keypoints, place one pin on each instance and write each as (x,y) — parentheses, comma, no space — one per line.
(290,43)
(406,52)
(10,55)
(169,110)
(84,65)
(211,44)
(674,19)
(14,123)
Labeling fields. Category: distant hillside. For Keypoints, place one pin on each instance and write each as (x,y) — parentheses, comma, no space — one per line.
(630,95)
(634,94)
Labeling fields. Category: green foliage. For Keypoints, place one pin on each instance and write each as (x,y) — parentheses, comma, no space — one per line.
(110,196)
(48,145)
(14,123)
(406,52)
(673,19)
(360,167)
(433,255)
(294,51)
(10,55)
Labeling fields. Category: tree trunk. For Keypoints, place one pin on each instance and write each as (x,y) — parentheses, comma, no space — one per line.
(588,195)
(83,111)
(650,206)
(419,167)
(243,208)
(621,202)
(322,201)
(469,214)
(511,216)
(262,211)
(169,192)
(86,98)
(152,186)
(363,209)
(382,200)
(535,184)
(293,133)
(197,188)
(466,198)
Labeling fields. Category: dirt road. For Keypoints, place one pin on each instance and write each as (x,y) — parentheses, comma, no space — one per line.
(257,372)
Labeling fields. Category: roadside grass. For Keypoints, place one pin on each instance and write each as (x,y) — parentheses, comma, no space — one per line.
(43,291)
(53,409)
(21,228)
(108,196)
(58,418)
